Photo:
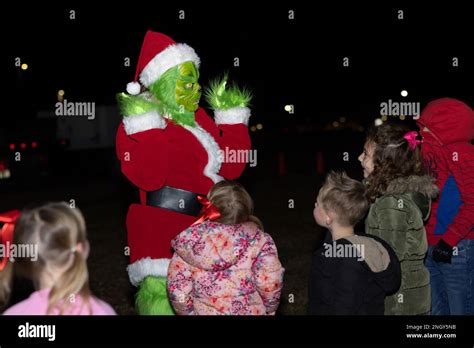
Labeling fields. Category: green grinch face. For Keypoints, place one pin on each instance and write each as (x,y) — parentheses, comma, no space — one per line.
(188,90)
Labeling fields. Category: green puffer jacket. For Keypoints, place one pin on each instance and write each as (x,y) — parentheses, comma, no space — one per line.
(397,217)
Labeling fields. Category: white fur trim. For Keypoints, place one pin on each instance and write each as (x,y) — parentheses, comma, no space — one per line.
(232,116)
(145,267)
(133,88)
(173,55)
(140,123)
(213,150)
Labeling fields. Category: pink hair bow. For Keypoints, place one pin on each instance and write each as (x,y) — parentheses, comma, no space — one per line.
(411,138)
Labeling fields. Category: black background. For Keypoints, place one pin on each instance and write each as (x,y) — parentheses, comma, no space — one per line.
(282,61)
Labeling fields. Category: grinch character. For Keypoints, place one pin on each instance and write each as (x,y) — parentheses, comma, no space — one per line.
(171,150)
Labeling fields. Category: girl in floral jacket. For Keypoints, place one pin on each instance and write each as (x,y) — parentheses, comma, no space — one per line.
(227,266)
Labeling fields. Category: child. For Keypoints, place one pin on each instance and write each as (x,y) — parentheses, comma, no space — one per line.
(447,127)
(350,274)
(226,266)
(56,236)
(400,195)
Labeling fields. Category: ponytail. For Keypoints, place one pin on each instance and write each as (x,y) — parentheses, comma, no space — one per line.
(73,282)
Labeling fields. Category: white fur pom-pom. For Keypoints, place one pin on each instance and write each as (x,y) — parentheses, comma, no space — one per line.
(133,88)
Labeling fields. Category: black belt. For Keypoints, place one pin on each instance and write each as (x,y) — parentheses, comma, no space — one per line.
(180,201)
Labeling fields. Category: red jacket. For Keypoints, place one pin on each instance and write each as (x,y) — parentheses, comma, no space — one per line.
(449,155)
(155,152)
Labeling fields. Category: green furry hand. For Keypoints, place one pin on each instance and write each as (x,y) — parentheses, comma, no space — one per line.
(220,98)
(135,104)
(152,297)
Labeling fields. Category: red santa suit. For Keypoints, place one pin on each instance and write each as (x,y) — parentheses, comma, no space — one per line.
(155,153)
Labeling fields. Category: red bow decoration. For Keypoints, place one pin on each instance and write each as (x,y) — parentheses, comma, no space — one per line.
(411,138)
(6,233)
(208,211)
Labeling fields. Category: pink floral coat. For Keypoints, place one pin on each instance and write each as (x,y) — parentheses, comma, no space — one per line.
(224,269)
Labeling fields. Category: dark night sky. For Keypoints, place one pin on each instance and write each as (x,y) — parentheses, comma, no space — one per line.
(282,61)
(285,62)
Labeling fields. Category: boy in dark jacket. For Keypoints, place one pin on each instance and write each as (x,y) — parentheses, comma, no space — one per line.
(447,128)
(350,274)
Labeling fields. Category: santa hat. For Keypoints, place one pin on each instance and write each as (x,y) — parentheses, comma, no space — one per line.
(159,53)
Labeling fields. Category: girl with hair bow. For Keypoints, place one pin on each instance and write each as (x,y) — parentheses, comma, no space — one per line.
(224,264)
